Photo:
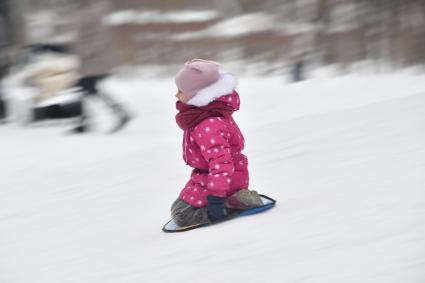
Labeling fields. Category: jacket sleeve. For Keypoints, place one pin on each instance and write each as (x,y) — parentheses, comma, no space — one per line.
(212,136)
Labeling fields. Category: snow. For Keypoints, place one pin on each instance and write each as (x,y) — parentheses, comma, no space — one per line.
(156,16)
(249,23)
(344,158)
(236,26)
(298,28)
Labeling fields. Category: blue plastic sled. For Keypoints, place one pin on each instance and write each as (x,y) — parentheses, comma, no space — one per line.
(172,227)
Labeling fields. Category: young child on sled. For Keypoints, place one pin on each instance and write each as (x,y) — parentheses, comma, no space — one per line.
(212,146)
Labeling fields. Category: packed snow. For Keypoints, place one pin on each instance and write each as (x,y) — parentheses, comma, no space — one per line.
(344,157)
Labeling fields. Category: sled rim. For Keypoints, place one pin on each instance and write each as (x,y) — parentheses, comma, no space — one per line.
(267,206)
(180,229)
(273,201)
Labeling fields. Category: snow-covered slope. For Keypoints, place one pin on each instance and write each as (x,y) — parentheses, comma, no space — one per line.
(344,157)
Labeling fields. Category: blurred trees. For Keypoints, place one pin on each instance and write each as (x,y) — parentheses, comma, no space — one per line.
(347,31)
(12,31)
(327,31)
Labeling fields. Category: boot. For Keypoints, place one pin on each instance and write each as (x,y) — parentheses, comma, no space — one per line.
(244,199)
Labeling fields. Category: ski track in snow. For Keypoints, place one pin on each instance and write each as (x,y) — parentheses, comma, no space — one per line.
(344,157)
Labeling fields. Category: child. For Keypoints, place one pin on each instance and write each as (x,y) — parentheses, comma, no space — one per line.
(212,145)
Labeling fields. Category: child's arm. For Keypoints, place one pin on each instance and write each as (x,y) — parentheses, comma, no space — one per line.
(212,137)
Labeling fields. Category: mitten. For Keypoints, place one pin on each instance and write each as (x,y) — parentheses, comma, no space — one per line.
(215,208)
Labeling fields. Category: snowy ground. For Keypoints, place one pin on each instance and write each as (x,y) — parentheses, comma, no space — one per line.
(344,157)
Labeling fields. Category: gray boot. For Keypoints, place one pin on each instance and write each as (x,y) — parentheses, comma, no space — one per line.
(244,199)
(186,215)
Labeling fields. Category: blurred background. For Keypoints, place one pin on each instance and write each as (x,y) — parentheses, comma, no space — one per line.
(270,35)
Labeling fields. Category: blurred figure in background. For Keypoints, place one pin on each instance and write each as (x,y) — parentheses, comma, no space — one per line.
(53,73)
(40,84)
(298,69)
(96,51)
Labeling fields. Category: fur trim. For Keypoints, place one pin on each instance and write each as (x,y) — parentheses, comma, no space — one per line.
(225,85)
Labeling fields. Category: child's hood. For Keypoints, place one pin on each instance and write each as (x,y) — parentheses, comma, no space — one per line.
(222,90)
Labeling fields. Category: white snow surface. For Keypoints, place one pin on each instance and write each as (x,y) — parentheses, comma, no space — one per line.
(344,157)
(237,26)
(156,16)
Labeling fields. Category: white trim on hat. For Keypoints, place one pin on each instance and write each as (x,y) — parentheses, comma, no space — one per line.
(225,85)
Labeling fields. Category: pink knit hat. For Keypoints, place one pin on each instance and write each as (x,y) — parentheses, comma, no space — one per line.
(195,75)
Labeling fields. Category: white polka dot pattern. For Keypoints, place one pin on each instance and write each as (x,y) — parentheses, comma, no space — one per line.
(213,148)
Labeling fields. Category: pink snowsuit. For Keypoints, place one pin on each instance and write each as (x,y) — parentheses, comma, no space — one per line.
(213,148)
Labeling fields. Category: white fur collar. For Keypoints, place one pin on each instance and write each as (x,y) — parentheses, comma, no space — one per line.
(225,85)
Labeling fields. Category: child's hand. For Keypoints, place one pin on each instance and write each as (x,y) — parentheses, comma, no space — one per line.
(216,208)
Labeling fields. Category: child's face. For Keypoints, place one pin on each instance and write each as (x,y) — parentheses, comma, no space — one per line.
(181,96)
